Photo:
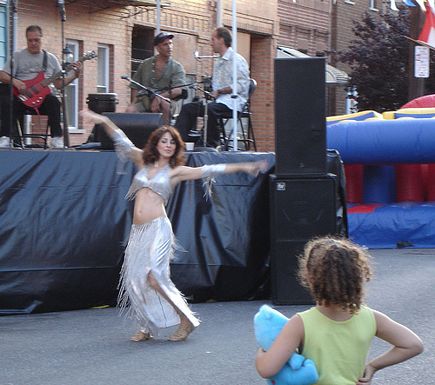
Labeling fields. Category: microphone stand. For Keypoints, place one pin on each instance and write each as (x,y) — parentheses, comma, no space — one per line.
(198,57)
(171,88)
(65,51)
(189,85)
(148,90)
(207,96)
(12,20)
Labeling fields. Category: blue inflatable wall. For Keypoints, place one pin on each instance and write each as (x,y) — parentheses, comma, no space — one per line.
(384,141)
(378,145)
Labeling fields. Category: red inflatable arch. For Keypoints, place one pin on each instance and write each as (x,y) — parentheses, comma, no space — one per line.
(426,101)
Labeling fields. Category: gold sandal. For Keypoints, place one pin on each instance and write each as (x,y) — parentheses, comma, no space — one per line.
(182,332)
(141,336)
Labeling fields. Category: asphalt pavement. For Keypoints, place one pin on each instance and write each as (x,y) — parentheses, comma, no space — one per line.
(92,347)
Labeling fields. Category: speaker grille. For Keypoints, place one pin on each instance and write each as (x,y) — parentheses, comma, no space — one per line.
(300,133)
(301,208)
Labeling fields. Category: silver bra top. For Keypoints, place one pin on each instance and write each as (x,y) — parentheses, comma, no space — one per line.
(159,183)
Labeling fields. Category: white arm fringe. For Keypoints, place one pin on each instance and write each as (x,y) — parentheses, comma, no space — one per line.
(123,145)
(209,171)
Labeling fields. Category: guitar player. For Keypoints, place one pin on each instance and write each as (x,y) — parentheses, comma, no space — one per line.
(31,64)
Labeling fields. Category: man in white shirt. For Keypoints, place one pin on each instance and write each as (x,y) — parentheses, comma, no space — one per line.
(222,82)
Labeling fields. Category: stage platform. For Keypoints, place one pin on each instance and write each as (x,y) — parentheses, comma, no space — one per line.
(65,224)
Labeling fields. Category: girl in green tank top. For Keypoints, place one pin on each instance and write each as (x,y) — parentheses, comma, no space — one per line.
(337,332)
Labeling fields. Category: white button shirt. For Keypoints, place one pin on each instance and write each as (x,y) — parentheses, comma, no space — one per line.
(223,77)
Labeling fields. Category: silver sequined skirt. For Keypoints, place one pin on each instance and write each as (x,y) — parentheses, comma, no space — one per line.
(150,249)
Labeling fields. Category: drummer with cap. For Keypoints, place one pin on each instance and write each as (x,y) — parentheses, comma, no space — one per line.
(159,73)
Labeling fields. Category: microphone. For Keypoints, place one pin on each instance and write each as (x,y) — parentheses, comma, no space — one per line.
(197,56)
(61,5)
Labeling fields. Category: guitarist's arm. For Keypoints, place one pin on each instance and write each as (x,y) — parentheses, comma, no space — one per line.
(177,78)
(73,74)
(172,94)
(6,79)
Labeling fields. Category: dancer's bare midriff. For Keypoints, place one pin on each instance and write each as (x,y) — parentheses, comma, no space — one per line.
(148,206)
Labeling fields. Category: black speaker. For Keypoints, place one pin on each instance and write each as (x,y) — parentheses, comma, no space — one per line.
(286,290)
(137,126)
(301,208)
(100,103)
(300,132)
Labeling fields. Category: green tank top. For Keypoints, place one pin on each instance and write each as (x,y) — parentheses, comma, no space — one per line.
(339,348)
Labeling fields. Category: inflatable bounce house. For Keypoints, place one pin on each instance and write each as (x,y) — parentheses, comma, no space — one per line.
(389,162)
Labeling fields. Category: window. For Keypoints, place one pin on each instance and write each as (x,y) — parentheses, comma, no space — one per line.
(373,5)
(72,91)
(103,68)
(3,33)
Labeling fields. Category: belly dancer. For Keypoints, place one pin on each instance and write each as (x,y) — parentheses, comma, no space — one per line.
(145,285)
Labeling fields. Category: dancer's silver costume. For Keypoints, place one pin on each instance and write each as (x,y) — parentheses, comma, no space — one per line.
(150,248)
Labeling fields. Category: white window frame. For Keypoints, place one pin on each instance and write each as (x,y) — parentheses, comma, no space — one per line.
(104,60)
(373,5)
(73,121)
(4,26)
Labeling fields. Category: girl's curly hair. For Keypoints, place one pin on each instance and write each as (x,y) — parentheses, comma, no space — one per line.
(151,154)
(334,270)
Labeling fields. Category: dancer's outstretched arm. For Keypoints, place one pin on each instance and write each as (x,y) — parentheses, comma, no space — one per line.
(133,153)
(191,173)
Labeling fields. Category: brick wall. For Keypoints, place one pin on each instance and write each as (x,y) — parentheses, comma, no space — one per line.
(89,28)
(192,21)
(263,49)
(304,25)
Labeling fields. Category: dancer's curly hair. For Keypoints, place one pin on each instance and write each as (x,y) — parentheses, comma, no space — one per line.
(151,154)
(334,270)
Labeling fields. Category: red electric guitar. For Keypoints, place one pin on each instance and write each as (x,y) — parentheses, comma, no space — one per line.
(38,87)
